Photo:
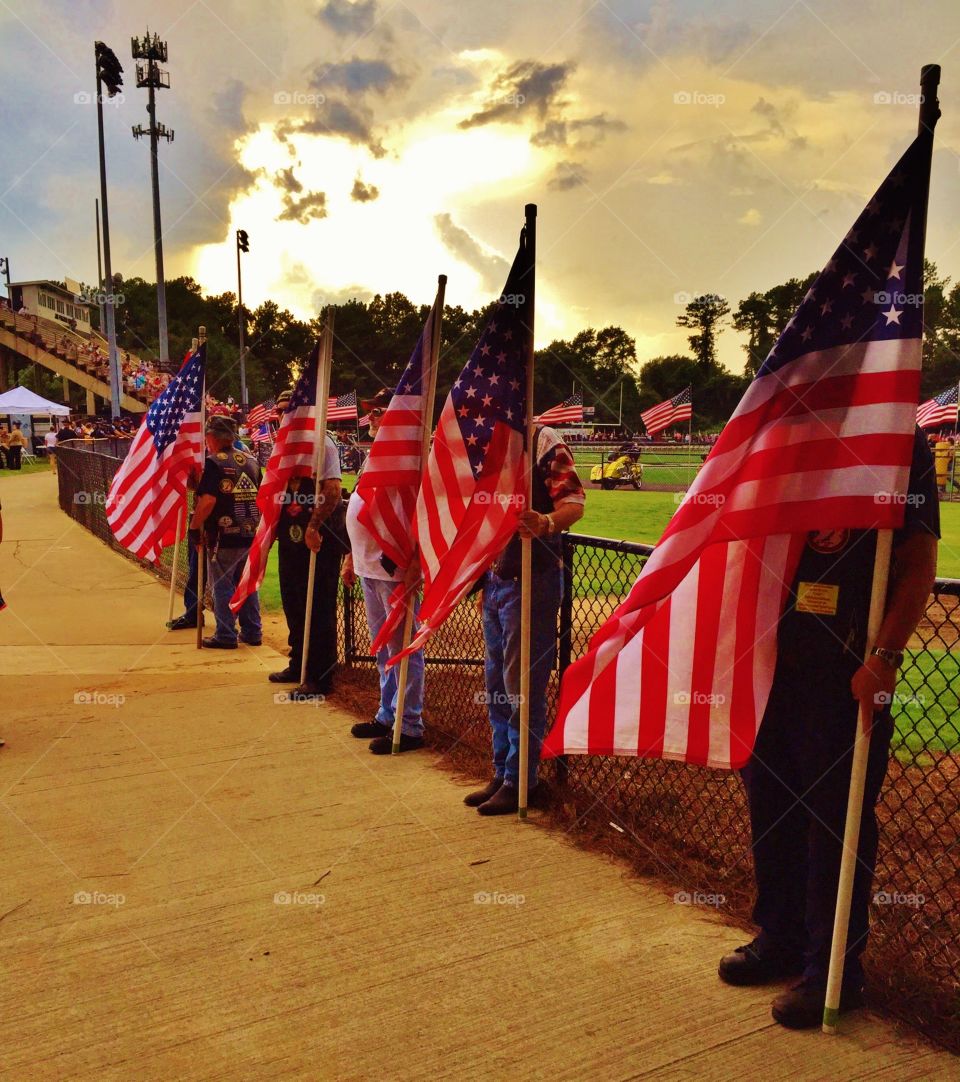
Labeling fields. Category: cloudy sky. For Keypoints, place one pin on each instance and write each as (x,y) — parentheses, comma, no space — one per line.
(672,147)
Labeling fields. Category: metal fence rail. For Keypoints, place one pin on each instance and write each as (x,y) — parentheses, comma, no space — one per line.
(689,824)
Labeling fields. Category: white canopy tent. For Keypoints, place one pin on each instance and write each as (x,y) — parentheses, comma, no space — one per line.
(21,402)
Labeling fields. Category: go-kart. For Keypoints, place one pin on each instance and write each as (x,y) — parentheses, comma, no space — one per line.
(622,469)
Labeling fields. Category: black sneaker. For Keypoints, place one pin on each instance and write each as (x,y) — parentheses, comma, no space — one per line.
(251,642)
(367,730)
(307,693)
(383,745)
(802,1006)
(183,623)
(759,963)
(481,796)
(285,676)
(213,643)
(506,800)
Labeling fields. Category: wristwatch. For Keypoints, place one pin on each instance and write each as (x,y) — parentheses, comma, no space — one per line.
(894,658)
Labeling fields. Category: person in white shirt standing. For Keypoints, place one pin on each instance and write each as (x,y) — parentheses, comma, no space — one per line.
(50,442)
(364,562)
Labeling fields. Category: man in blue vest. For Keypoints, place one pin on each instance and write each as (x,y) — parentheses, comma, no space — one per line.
(558,501)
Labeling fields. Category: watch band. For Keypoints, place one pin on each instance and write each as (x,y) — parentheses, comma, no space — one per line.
(894,658)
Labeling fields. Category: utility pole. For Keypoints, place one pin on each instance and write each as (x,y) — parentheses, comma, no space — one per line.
(243,245)
(109,74)
(150,52)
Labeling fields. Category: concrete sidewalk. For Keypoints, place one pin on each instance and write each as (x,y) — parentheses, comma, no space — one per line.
(202,883)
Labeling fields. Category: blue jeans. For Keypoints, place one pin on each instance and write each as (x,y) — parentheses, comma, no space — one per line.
(225,570)
(501,635)
(376,598)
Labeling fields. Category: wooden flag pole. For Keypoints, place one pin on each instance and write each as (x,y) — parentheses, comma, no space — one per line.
(202,554)
(181,526)
(430,393)
(929,115)
(526,543)
(858,775)
(319,457)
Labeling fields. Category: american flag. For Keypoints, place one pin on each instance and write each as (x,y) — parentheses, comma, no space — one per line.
(264,413)
(570,411)
(391,476)
(292,456)
(148,490)
(822,440)
(261,434)
(939,411)
(473,488)
(343,408)
(678,408)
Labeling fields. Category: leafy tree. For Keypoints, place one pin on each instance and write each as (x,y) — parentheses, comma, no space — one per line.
(705,316)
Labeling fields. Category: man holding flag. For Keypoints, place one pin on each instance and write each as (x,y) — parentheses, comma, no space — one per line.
(752,612)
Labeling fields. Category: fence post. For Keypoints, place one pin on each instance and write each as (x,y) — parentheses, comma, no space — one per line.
(565,645)
(349,649)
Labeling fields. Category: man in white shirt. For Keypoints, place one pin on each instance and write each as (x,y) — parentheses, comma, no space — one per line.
(364,562)
(50,442)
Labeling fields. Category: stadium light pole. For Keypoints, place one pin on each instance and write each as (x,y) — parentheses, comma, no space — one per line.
(243,245)
(150,52)
(5,267)
(109,75)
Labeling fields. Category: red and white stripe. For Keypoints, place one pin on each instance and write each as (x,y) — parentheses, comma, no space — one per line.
(683,668)
(336,412)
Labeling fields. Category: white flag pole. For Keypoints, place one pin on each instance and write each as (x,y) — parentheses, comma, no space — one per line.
(324,359)
(430,393)
(202,554)
(526,543)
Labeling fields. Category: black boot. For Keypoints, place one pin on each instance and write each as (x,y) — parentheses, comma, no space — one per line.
(285,676)
(366,730)
(481,796)
(759,963)
(503,802)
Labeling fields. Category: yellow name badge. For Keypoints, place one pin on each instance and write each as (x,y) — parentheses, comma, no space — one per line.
(817,597)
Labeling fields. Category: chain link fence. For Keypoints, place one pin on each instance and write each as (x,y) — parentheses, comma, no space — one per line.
(689,825)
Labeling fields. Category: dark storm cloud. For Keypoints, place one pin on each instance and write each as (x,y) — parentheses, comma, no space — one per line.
(344,18)
(567,175)
(363,193)
(528,83)
(287,181)
(491,268)
(307,208)
(585,132)
(357,76)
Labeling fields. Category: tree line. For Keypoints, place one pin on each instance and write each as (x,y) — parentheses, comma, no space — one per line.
(374,339)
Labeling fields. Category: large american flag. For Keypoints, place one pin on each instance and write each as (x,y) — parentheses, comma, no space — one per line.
(939,411)
(292,456)
(391,475)
(822,440)
(672,411)
(343,408)
(473,488)
(149,488)
(570,411)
